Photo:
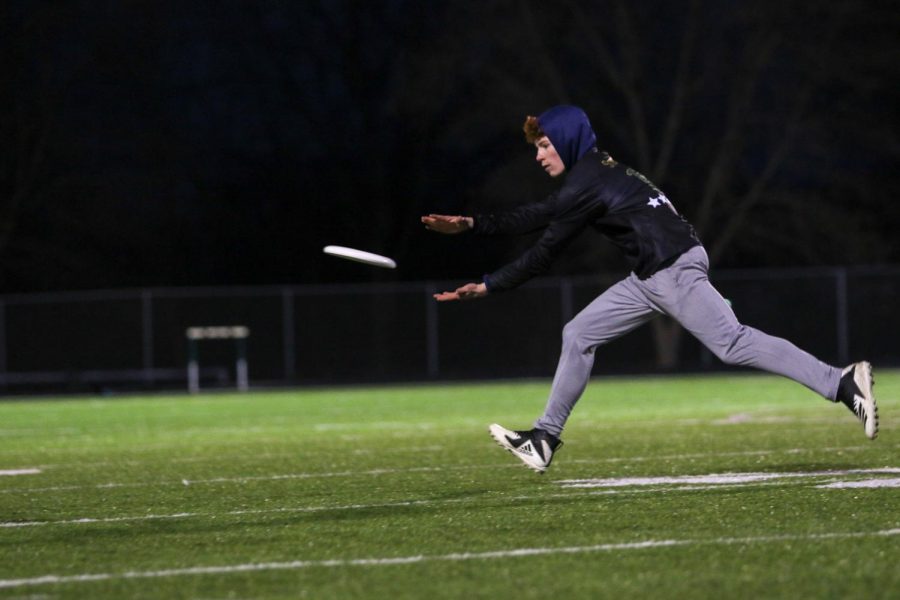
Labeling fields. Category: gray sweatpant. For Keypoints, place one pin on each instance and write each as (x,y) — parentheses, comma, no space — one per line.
(683,292)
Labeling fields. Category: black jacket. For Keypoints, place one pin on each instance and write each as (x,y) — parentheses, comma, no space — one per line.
(616,200)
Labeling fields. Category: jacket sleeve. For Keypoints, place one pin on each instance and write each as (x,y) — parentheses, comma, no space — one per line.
(536,259)
(524,219)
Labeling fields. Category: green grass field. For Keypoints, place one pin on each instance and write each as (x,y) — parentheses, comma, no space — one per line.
(400,493)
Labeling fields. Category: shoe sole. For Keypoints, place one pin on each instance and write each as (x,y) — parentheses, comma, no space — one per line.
(866,381)
(499,434)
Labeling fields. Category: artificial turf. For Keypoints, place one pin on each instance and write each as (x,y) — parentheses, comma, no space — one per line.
(398,492)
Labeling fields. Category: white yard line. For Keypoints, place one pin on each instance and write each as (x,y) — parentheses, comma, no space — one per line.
(714,478)
(644,486)
(406,560)
(351,507)
(866,483)
(246,479)
(186,515)
(343,507)
(614,459)
(378,472)
(14,472)
(721,454)
(222,457)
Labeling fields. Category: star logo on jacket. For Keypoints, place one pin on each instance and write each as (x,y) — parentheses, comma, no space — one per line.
(654,202)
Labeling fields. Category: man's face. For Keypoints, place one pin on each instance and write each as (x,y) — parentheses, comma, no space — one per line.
(549,159)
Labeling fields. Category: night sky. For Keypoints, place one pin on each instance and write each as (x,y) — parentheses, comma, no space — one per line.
(163,143)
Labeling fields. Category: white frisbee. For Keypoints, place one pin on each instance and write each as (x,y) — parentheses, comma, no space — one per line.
(360,256)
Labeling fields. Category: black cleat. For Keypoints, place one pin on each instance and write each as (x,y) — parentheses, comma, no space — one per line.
(855,391)
(535,448)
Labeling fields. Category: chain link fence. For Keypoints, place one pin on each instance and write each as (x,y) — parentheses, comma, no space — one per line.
(109,341)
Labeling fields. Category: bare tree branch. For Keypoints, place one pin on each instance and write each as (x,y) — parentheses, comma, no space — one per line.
(729,144)
(631,85)
(551,74)
(680,91)
(741,207)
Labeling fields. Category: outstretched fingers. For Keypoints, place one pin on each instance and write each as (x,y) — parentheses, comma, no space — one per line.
(470,291)
(446,296)
(445,223)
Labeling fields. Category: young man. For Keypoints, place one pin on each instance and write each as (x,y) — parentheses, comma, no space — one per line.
(669,276)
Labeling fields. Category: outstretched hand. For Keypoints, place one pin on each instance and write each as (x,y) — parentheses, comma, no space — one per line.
(448,224)
(470,291)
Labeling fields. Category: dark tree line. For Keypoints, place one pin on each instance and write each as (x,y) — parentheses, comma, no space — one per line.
(162,143)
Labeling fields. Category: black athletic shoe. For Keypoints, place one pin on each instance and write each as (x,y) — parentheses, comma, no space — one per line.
(535,448)
(855,391)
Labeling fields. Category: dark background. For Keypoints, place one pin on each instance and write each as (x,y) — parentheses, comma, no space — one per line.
(163,143)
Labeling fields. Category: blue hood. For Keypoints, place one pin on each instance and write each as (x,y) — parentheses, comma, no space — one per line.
(569,131)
